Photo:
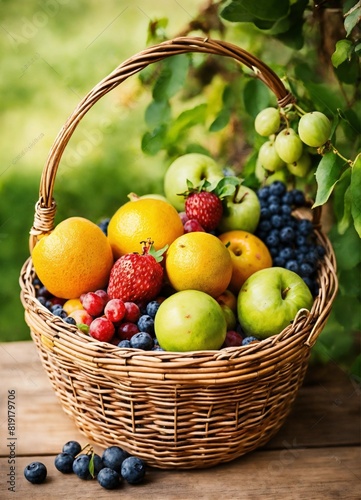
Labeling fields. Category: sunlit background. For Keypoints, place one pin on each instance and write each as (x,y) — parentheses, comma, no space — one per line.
(53,53)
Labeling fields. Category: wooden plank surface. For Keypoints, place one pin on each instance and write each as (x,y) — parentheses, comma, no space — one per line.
(315,455)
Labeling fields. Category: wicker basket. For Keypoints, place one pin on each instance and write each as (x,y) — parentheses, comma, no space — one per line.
(184,410)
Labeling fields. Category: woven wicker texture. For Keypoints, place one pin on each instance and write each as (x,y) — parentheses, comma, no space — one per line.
(185,410)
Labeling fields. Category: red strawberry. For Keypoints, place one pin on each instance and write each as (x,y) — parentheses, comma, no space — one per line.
(135,277)
(206,208)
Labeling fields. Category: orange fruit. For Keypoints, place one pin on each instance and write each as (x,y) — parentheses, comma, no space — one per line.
(136,221)
(248,253)
(199,261)
(74,258)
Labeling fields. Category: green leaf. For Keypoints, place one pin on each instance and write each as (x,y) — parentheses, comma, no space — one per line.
(347,248)
(171,78)
(91,465)
(346,310)
(325,99)
(153,142)
(221,120)
(349,70)
(157,113)
(185,120)
(342,202)
(352,18)
(269,10)
(293,37)
(327,174)
(227,186)
(83,327)
(356,194)
(343,51)
(256,97)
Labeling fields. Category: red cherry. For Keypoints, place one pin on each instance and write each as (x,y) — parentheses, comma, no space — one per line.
(132,312)
(93,304)
(193,226)
(233,339)
(115,310)
(127,330)
(102,329)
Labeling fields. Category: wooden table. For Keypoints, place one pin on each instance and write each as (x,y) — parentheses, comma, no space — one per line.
(316,455)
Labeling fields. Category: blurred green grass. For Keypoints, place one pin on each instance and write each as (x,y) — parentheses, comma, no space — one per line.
(53,53)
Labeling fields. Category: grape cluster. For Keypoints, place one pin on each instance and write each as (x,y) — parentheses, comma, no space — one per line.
(291,241)
(290,139)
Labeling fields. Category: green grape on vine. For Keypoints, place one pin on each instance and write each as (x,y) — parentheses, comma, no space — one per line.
(288,145)
(302,166)
(269,158)
(314,129)
(267,122)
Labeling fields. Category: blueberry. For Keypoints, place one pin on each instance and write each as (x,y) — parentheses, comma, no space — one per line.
(248,340)
(274,199)
(286,209)
(35,472)
(287,234)
(103,224)
(43,292)
(277,188)
(152,308)
(306,270)
(113,457)
(287,253)
(274,208)
(298,198)
(146,324)
(265,225)
(142,340)
(278,261)
(157,348)
(55,307)
(133,470)
(124,343)
(292,265)
(274,251)
(42,301)
(311,256)
(64,462)
(287,198)
(70,320)
(277,221)
(81,466)
(312,285)
(72,447)
(60,312)
(272,240)
(304,227)
(263,193)
(301,240)
(265,213)
(109,478)
(320,251)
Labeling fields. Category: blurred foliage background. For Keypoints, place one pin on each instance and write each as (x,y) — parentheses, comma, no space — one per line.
(55,51)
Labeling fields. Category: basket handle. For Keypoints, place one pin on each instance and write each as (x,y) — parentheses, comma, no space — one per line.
(45,207)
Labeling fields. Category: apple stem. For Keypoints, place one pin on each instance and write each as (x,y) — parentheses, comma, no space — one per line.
(284,292)
(238,197)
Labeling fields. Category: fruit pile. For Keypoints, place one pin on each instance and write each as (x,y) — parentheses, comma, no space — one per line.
(110,469)
(212,264)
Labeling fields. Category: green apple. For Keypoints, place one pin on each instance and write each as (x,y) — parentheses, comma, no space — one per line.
(190,320)
(269,301)
(194,167)
(240,211)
